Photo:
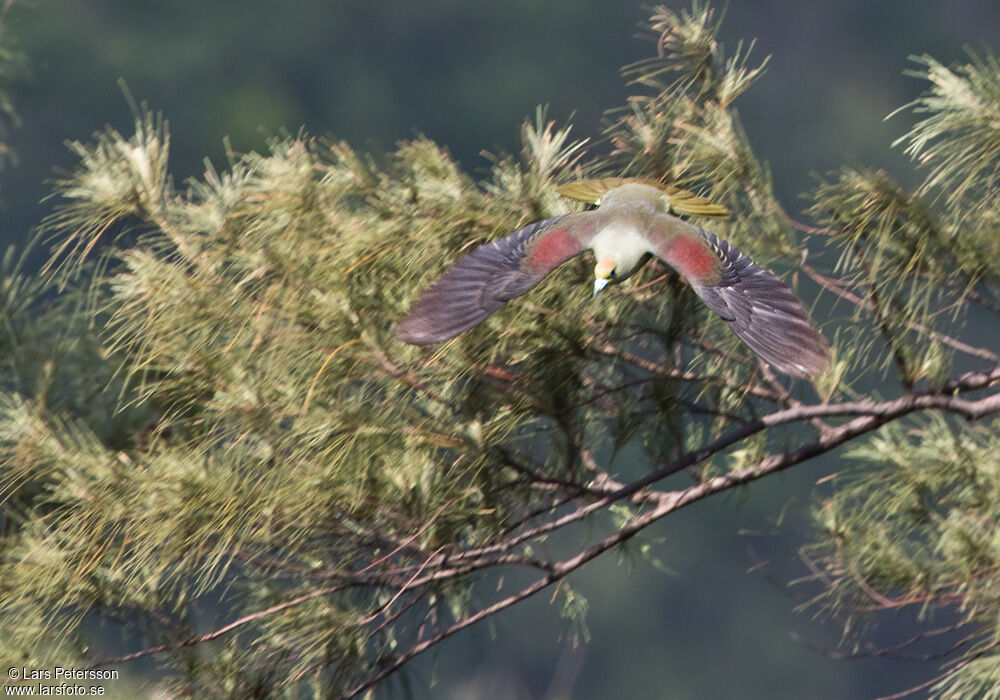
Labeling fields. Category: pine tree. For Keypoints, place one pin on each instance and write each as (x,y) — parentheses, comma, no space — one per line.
(203,405)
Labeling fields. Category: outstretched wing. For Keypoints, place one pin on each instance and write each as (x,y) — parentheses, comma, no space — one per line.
(758,306)
(485,279)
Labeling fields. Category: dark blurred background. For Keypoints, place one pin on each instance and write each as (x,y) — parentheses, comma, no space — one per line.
(466,74)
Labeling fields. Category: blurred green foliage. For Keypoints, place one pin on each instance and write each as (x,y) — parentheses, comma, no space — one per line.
(372,73)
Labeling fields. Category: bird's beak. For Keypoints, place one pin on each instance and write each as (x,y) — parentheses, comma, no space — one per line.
(599,284)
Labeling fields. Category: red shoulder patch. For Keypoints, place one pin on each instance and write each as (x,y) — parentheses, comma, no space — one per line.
(552,249)
(694,259)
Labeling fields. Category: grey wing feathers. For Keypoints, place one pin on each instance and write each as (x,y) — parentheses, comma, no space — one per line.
(764,313)
(474,287)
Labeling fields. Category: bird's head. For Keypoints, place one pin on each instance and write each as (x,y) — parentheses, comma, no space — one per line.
(605,273)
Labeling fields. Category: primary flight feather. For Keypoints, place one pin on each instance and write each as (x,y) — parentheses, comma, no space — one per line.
(634,220)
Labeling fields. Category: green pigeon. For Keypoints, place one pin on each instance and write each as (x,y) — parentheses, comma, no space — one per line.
(634,221)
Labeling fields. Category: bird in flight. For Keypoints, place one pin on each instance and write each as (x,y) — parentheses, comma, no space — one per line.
(634,221)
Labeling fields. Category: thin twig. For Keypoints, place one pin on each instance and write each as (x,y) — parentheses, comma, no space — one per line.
(838,289)
(246,619)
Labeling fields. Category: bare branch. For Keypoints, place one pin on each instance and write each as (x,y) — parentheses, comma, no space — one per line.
(873,415)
